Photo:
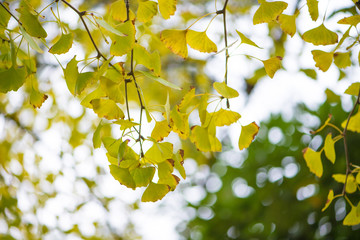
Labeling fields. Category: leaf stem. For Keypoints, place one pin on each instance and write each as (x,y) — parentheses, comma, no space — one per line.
(10,13)
(223,12)
(335,127)
(200,19)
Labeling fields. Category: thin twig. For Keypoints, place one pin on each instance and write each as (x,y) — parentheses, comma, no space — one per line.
(10,13)
(348,171)
(223,11)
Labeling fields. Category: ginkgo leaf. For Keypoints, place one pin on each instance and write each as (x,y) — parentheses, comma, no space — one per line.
(167,8)
(358,178)
(63,45)
(142,56)
(188,100)
(12,79)
(247,135)
(113,90)
(97,93)
(159,152)
(161,130)
(31,23)
(225,91)
(354,123)
(122,45)
(175,40)
(313,161)
(330,198)
(107,108)
(146,11)
(313,9)
(118,11)
(271,65)
(143,176)
(351,185)
(342,60)
(352,218)
(155,192)
(110,28)
(123,176)
(97,136)
(268,11)
(160,80)
(329,148)
(311,73)
(179,162)
(203,109)
(30,40)
(165,170)
(4,16)
(246,40)
(126,124)
(71,75)
(353,89)
(287,23)
(352,20)
(180,123)
(200,41)
(225,117)
(320,36)
(322,59)
(331,96)
(37,98)
(204,140)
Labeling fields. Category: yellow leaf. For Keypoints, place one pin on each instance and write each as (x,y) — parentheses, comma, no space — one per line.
(63,44)
(161,130)
(225,117)
(354,123)
(268,11)
(247,135)
(159,152)
(351,185)
(352,20)
(246,40)
(287,24)
(353,89)
(180,123)
(272,65)
(225,91)
(155,192)
(320,36)
(313,9)
(125,124)
(107,108)
(342,60)
(352,218)
(113,90)
(329,148)
(329,200)
(175,40)
(322,59)
(118,11)
(200,41)
(203,140)
(167,8)
(313,161)
(146,11)
(122,45)
(188,100)
(37,98)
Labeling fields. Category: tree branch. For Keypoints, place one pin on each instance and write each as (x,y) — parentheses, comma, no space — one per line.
(223,11)
(10,13)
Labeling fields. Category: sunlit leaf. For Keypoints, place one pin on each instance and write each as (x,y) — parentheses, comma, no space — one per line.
(167,8)
(143,176)
(107,108)
(225,91)
(322,59)
(155,192)
(30,40)
(179,162)
(146,11)
(188,100)
(160,80)
(203,109)
(161,130)
(272,65)
(159,152)
(329,148)
(118,10)
(114,90)
(63,45)
(31,23)
(180,123)
(142,56)
(353,89)
(123,176)
(313,9)
(342,60)
(37,98)
(351,185)
(200,41)
(246,40)
(352,218)
(247,135)
(320,36)
(126,124)
(71,75)
(97,136)
(122,45)
(352,20)
(108,27)
(354,123)
(4,16)
(268,11)
(165,170)
(225,117)
(97,93)
(287,23)
(175,40)
(204,140)
(329,200)
(313,161)
(12,79)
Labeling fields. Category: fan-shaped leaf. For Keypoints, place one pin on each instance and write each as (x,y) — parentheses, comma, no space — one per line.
(320,36)
(161,130)
(107,108)
(63,45)
(268,11)
(353,218)
(31,23)
(146,11)
(272,65)
(246,40)
(247,135)
(200,41)
(37,98)
(322,59)
(329,148)
(354,123)
(353,89)
(167,8)
(342,60)
(225,91)
(108,27)
(123,176)
(313,9)
(175,40)
(122,45)
(30,40)
(12,79)
(287,24)
(155,192)
(143,176)
(313,161)
(225,117)
(352,20)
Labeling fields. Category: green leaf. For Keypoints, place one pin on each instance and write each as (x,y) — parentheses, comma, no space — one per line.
(311,73)
(342,60)
(155,192)
(247,135)
(71,75)
(160,80)
(63,45)
(4,16)
(146,11)
(332,97)
(200,41)
(83,80)
(225,91)
(108,27)
(175,40)
(353,89)
(352,218)
(287,23)
(107,108)
(30,40)
(97,136)
(143,176)
(167,8)
(122,45)
(246,40)
(37,98)
(313,9)
(123,176)
(329,148)
(161,130)
(268,11)
(12,79)
(320,36)
(225,117)
(330,198)
(322,59)
(31,23)
(271,65)
(313,161)
(165,177)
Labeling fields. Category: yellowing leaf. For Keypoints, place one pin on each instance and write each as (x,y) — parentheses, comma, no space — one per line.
(268,11)
(354,123)
(188,100)
(125,124)
(12,79)
(320,36)
(143,176)
(204,140)
(351,185)
(107,108)
(146,11)
(161,130)
(322,59)
(118,10)
(108,27)
(352,218)
(353,89)
(30,40)
(165,177)
(329,200)
(159,152)
(342,60)
(246,40)
(160,80)
(225,91)
(200,41)
(311,73)
(225,117)
(122,45)
(63,45)
(247,135)
(4,16)
(287,24)
(272,65)
(37,98)
(167,8)
(313,161)
(313,9)
(123,176)
(97,136)
(175,40)
(329,148)
(31,23)
(179,162)
(155,192)
(180,123)
(352,20)
(113,90)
